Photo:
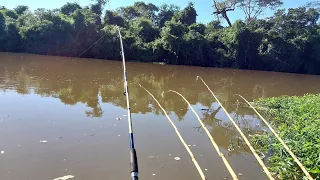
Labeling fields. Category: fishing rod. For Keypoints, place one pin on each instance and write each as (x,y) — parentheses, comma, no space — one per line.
(133,154)
(241,133)
(195,162)
(281,141)
(225,161)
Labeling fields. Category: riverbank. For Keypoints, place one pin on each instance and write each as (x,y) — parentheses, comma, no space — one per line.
(166,34)
(297,120)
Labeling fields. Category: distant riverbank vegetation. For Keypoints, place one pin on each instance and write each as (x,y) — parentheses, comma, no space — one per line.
(288,41)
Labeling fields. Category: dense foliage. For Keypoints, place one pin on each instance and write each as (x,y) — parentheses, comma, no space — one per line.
(288,41)
(297,120)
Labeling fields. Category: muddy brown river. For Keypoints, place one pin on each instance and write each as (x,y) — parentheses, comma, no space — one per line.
(60,116)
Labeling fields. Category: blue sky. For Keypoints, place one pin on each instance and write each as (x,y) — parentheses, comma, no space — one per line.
(204,7)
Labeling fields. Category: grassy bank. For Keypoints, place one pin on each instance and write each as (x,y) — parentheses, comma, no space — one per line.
(297,120)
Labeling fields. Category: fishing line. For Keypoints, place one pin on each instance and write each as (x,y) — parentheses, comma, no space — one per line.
(179,135)
(225,161)
(241,133)
(92,45)
(281,141)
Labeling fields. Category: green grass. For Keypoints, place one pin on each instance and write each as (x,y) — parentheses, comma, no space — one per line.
(297,120)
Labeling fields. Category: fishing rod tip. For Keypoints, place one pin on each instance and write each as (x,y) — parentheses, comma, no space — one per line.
(198,78)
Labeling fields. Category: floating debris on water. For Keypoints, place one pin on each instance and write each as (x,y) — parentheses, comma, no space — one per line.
(194,145)
(2,152)
(118,119)
(240,174)
(44,141)
(169,154)
(206,169)
(65,177)
(150,157)
(177,158)
(153,174)
(119,135)
(189,145)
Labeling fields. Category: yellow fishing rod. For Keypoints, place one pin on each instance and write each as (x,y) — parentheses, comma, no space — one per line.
(195,162)
(225,161)
(241,133)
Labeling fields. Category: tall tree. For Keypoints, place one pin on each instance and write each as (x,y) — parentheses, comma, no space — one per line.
(69,8)
(139,9)
(188,15)
(97,8)
(21,9)
(146,10)
(112,18)
(254,8)
(223,7)
(166,12)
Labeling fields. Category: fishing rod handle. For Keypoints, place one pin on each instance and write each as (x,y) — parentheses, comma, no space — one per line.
(134,164)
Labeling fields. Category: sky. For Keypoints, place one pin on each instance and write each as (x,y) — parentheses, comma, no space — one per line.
(203,7)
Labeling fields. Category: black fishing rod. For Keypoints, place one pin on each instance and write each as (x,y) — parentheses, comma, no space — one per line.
(133,154)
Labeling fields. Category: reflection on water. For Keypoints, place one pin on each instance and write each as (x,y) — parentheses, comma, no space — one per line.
(33,86)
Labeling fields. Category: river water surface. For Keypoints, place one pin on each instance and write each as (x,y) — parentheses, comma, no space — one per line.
(60,116)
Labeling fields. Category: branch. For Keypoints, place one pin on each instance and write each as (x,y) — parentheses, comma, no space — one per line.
(230,9)
(217,12)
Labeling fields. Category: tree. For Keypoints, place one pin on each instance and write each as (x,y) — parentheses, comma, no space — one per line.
(2,30)
(139,9)
(112,18)
(253,8)
(223,7)
(69,8)
(172,41)
(21,9)
(13,38)
(146,10)
(166,12)
(144,29)
(98,6)
(10,13)
(313,4)
(189,15)
(199,28)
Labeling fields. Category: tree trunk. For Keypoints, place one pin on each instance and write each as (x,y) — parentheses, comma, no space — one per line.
(224,15)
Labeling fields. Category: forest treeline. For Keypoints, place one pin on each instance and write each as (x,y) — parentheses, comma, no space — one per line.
(288,41)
